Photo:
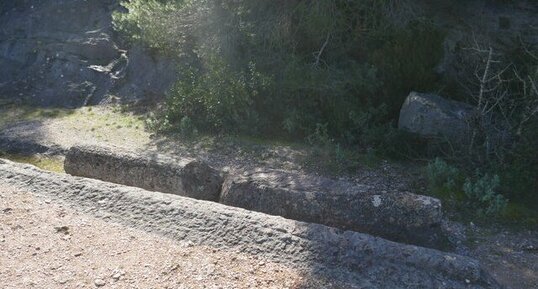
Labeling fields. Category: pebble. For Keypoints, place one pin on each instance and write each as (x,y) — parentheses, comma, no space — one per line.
(99,282)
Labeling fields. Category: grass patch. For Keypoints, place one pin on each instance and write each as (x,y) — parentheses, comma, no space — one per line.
(521,214)
(15,113)
(96,116)
(48,163)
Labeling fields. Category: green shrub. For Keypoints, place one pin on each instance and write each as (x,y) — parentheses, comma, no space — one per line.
(150,22)
(187,128)
(281,67)
(484,193)
(218,98)
(327,155)
(406,59)
(443,178)
(479,194)
(520,173)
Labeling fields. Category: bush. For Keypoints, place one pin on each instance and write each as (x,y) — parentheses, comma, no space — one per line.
(220,99)
(282,67)
(335,73)
(443,179)
(483,193)
(480,193)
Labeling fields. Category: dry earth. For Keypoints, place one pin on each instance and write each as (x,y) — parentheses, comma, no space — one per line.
(47,245)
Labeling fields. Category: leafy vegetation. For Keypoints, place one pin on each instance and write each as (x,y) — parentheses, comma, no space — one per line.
(334,74)
(285,68)
(480,192)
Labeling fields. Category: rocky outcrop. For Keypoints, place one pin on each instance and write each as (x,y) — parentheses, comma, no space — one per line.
(371,262)
(430,115)
(185,177)
(399,216)
(65,53)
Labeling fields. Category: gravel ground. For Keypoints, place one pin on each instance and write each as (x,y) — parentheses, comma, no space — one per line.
(45,245)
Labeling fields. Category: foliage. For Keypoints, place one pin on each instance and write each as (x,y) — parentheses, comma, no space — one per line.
(520,173)
(484,192)
(442,176)
(220,98)
(480,192)
(283,67)
(186,127)
(335,73)
(503,138)
(406,59)
(329,156)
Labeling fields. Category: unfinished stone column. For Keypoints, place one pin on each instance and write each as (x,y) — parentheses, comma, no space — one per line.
(399,216)
(184,177)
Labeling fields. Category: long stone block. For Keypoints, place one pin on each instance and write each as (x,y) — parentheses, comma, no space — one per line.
(185,177)
(399,216)
(369,261)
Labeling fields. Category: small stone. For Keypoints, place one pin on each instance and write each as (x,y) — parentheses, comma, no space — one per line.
(99,282)
(116,276)
(62,229)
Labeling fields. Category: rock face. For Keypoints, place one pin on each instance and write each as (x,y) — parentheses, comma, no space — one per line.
(371,262)
(64,53)
(430,115)
(399,216)
(190,178)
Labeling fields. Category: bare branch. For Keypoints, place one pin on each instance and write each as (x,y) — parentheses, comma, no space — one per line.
(322,49)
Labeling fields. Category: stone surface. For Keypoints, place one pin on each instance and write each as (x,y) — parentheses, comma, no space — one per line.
(430,115)
(399,216)
(66,53)
(185,177)
(372,262)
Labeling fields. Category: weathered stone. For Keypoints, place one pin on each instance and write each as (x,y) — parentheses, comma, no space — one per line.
(367,261)
(399,216)
(430,115)
(185,177)
(64,53)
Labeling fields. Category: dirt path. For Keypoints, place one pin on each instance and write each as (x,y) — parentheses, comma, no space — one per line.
(45,245)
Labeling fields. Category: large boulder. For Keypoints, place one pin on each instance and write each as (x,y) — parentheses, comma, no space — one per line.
(399,216)
(184,177)
(430,115)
